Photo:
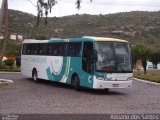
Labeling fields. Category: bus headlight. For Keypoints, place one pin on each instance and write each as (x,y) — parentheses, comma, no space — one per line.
(130,78)
(99,77)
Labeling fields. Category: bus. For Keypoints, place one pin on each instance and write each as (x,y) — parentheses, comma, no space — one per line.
(92,62)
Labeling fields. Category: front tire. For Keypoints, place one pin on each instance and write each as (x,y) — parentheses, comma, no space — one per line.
(76,82)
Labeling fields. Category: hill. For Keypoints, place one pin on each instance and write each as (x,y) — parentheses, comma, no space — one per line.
(137,26)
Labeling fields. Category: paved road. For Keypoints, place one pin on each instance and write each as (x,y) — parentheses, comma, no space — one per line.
(25,96)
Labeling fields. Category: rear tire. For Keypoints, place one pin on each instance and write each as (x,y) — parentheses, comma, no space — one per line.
(35,76)
(76,82)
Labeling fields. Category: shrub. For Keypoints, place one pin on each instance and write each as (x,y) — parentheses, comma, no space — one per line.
(1,65)
(9,62)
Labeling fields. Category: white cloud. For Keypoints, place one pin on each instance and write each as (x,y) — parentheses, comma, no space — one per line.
(67,7)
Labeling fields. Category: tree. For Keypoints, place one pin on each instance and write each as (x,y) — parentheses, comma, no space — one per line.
(45,6)
(155,58)
(141,52)
(4,26)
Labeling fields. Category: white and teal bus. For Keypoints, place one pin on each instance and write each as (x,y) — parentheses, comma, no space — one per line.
(92,62)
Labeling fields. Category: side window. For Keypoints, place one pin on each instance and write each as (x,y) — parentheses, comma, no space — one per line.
(49,49)
(57,49)
(78,49)
(24,51)
(60,49)
(36,49)
(74,49)
(87,64)
(71,49)
(33,49)
(42,49)
(65,48)
(28,52)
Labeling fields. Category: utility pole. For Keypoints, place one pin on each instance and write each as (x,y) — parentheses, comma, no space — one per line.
(1,13)
(4,27)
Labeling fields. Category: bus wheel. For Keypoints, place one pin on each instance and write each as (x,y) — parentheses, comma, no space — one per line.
(76,82)
(35,76)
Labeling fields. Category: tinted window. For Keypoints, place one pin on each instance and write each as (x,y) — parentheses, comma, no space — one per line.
(42,49)
(74,49)
(88,65)
(54,49)
(65,49)
(24,49)
(28,49)
(34,49)
(49,49)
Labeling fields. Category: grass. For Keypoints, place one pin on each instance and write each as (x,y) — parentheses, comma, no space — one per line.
(10,70)
(152,75)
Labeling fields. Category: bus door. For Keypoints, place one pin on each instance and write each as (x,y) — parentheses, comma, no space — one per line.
(87,62)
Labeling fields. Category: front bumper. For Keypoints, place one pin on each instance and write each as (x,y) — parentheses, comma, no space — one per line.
(101,84)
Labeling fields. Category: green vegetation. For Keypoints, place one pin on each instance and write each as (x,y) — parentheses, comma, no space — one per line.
(10,70)
(141,52)
(155,58)
(9,63)
(13,48)
(152,75)
(8,66)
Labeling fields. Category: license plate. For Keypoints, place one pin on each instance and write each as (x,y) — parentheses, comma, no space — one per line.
(115,85)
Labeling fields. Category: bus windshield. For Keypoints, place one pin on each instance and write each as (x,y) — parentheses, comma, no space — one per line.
(113,57)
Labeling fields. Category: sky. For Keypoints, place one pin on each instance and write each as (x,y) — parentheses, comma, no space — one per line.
(68,7)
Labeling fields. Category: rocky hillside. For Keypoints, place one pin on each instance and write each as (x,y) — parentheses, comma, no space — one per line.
(137,27)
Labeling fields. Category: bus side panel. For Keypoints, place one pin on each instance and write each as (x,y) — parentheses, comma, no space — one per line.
(58,69)
(86,79)
(61,69)
(30,62)
(25,66)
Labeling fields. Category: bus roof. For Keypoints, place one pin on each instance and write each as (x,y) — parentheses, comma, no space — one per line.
(35,41)
(85,38)
(105,39)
